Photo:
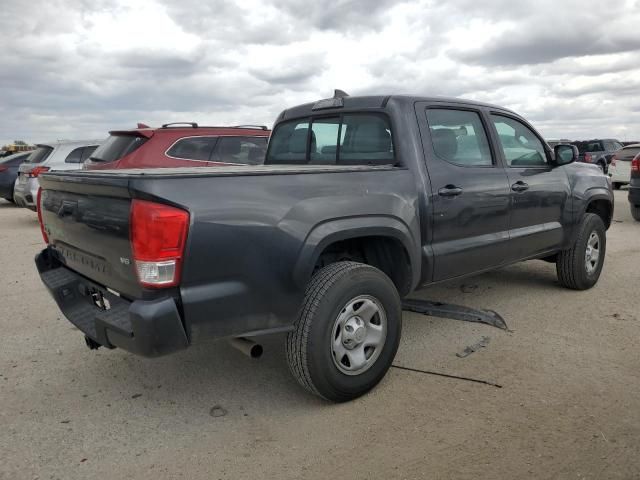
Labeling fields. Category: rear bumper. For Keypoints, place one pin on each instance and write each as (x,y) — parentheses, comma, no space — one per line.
(148,328)
(23,195)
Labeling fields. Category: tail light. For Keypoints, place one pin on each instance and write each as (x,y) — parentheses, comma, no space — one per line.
(588,158)
(39,209)
(158,236)
(614,160)
(635,164)
(3,168)
(34,172)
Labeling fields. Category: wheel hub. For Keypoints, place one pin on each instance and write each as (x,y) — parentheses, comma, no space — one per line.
(592,253)
(353,333)
(359,333)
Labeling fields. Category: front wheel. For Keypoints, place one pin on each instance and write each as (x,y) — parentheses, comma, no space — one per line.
(579,267)
(347,332)
(635,212)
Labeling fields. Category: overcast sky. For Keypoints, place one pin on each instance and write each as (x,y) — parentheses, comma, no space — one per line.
(76,69)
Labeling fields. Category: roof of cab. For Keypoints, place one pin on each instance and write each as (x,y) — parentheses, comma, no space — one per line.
(376,102)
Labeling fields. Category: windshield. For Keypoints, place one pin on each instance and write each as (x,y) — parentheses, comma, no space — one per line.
(116,147)
(40,154)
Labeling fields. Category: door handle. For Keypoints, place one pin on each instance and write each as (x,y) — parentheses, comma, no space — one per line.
(520,186)
(450,191)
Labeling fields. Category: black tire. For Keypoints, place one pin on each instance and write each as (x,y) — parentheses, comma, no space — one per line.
(309,347)
(617,185)
(635,212)
(571,265)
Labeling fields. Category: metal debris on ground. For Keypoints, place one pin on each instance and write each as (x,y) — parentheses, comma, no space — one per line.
(456,312)
(484,341)
(447,375)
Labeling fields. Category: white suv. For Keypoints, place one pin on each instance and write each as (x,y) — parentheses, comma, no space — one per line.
(63,155)
(620,168)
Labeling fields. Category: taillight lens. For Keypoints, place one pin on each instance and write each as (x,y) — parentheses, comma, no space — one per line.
(34,172)
(39,209)
(588,158)
(158,236)
(3,168)
(635,164)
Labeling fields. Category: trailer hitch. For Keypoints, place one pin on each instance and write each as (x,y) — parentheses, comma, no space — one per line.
(456,312)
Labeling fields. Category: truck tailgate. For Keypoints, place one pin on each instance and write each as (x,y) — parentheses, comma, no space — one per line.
(87,224)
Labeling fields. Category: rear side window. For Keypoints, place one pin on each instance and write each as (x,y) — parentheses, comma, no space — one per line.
(352,139)
(87,152)
(244,150)
(39,155)
(459,137)
(116,147)
(75,156)
(193,148)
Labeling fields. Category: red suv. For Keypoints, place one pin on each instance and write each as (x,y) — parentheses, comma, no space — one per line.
(181,145)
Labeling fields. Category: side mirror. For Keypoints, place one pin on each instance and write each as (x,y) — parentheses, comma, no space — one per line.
(565,154)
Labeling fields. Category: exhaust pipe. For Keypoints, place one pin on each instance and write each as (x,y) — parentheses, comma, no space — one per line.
(246,346)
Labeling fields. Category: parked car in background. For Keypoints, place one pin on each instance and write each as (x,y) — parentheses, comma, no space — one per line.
(181,145)
(620,167)
(360,201)
(598,152)
(64,155)
(9,173)
(634,188)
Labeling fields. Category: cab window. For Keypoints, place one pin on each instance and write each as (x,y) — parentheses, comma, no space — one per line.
(351,139)
(520,146)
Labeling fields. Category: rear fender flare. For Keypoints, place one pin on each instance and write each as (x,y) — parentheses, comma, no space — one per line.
(326,233)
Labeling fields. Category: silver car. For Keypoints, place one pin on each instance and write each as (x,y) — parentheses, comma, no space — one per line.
(63,155)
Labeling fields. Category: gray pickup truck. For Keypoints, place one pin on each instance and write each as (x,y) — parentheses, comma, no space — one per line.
(598,152)
(361,201)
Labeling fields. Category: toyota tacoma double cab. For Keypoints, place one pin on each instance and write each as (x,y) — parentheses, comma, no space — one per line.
(360,201)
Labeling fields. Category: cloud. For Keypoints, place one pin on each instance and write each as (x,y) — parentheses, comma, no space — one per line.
(569,66)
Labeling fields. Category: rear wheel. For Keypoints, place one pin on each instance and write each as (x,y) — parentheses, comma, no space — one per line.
(347,333)
(635,212)
(579,267)
(617,185)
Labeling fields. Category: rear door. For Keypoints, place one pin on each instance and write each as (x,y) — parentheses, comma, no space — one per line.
(469,190)
(539,193)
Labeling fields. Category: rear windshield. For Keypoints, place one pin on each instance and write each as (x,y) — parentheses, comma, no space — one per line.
(116,147)
(595,146)
(350,139)
(39,155)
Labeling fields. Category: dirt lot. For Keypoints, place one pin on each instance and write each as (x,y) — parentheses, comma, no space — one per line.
(569,406)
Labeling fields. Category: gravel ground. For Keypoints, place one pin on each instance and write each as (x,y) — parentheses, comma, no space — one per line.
(569,406)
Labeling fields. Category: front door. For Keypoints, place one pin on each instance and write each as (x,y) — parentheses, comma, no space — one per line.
(539,192)
(469,191)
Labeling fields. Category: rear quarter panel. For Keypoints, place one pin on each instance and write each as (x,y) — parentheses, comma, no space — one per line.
(243,268)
